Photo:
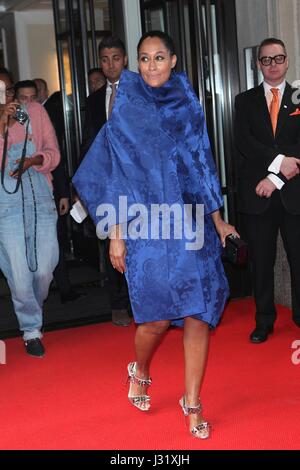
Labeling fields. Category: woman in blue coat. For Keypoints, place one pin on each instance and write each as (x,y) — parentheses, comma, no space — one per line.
(149,182)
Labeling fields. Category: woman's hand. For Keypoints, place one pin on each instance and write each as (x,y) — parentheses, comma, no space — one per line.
(28,162)
(6,111)
(117,249)
(223,228)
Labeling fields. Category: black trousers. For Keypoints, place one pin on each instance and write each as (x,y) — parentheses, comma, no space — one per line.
(60,274)
(118,290)
(261,233)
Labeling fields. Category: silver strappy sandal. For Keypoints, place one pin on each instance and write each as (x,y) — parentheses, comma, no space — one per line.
(142,402)
(201,430)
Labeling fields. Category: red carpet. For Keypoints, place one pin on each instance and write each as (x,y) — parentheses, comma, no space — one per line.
(76,397)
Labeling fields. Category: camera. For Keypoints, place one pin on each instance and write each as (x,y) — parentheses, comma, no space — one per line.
(20,115)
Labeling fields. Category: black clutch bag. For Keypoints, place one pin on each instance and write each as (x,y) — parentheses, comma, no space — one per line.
(236,250)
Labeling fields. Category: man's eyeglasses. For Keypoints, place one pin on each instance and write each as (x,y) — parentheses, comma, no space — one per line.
(278,59)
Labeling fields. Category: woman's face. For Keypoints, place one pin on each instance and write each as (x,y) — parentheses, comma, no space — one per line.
(10,92)
(155,62)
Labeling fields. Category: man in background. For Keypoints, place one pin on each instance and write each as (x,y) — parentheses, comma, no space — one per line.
(42,90)
(96,79)
(267,133)
(112,60)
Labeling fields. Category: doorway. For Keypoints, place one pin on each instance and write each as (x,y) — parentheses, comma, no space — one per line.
(204,33)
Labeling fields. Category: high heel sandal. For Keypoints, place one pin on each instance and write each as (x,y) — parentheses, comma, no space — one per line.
(201,430)
(142,402)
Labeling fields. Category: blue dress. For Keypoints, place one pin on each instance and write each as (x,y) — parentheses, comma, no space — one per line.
(155,150)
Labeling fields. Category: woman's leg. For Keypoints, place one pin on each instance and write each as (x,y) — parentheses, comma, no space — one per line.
(195,342)
(47,250)
(147,339)
(13,264)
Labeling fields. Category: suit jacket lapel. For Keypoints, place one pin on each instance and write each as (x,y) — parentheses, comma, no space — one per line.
(285,108)
(263,108)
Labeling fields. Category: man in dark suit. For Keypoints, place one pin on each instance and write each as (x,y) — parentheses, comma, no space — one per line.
(112,60)
(96,79)
(267,133)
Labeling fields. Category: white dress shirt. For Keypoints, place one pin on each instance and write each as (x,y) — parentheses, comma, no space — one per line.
(276,163)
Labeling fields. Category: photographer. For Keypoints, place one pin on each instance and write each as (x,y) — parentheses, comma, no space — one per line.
(28,242)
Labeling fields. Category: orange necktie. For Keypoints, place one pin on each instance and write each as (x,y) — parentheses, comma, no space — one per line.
(274,108)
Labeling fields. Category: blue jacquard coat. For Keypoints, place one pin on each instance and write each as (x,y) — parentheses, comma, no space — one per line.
(154,149)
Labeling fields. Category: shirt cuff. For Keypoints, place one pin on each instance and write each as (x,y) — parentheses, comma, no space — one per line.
(276,164)
(275,180)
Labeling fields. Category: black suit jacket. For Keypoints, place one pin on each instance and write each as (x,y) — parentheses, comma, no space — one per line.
(95,118)
(54,108)
(257,147)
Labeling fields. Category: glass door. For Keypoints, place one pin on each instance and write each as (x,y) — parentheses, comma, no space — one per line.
(79,25)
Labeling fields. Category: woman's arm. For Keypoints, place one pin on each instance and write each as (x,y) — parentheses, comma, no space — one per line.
(45,138)
(117,249)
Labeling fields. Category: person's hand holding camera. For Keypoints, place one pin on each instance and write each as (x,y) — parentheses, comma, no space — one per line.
(6,111)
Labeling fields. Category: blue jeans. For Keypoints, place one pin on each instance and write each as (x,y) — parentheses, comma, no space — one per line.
(28,289)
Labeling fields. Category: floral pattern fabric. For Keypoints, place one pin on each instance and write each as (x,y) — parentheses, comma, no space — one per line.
(155,150)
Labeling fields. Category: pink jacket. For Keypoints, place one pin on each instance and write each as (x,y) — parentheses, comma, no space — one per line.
(43,136)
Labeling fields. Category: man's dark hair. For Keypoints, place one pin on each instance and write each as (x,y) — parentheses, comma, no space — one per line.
(25,84)
(110,42)
(5,71)
(269,42)
(94,70)
(164,37)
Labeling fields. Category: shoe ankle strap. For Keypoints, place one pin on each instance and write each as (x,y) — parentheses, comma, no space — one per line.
(141,382)
(190,410)
(137,380)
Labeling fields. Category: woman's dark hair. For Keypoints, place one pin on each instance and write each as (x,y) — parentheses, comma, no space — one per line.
(5,71)
(164,37)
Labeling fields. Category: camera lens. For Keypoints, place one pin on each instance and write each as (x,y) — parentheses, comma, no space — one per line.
(20,115)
